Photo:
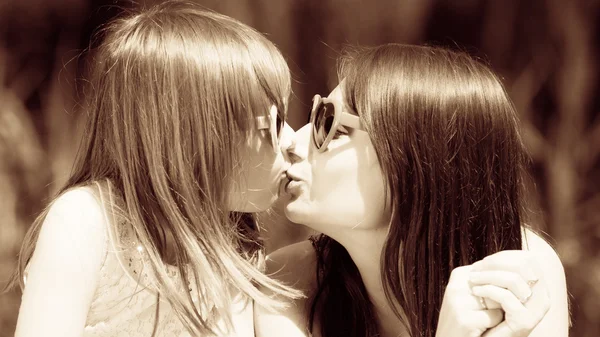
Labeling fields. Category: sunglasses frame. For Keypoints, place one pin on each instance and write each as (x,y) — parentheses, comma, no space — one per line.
(340,117)
(269,124)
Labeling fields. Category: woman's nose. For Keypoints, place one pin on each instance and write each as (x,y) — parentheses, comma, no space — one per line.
(287,139)
(299,151)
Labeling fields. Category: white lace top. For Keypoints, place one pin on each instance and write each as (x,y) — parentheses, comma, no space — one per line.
(125,302)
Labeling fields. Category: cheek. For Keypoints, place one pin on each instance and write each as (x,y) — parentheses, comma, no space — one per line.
(257,178)
(348,191)
(264,168)
(260,162)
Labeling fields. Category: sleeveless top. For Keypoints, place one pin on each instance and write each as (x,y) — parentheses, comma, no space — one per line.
(126,303)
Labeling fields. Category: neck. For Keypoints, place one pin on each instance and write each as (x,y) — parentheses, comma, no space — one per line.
(365,247)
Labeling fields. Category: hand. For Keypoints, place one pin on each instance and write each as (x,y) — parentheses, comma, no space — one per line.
(512,280)
(502,295)
(462,313)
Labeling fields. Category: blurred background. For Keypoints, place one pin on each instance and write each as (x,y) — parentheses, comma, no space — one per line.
(545,51)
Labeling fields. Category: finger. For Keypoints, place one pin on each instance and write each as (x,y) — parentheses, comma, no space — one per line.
(481,303)
(491,304)
(501,330)
(539,303)
(460,274)
(504,279)
(488,318)
(519,319)
(509,302)
(517,261)
(507,329)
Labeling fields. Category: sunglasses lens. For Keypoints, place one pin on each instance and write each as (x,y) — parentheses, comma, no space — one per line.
(323,122)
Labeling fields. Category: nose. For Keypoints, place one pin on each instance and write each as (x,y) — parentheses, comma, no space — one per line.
(299,152)
(287,139)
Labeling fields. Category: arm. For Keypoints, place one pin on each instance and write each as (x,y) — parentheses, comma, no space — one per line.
(294,265)
(493,298)
(64,269)
(534,310)
(556,321)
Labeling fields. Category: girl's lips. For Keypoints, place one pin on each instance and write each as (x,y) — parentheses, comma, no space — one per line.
(283,185)
(293,186)
(291,176)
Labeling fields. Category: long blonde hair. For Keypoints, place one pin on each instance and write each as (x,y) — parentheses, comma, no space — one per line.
(173,94)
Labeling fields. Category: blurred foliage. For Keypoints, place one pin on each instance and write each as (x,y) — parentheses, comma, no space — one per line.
(545,50)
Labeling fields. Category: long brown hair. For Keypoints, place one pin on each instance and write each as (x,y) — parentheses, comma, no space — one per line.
(447,140)
(172,97)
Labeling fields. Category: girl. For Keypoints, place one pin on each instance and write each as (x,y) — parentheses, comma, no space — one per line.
(411,168)
(186,111)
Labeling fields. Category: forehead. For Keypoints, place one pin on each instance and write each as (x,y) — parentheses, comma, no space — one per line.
(338,95)
(338,92)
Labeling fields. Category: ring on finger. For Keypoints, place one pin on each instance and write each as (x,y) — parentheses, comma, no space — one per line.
(524,300)
(531,283)
(482,302)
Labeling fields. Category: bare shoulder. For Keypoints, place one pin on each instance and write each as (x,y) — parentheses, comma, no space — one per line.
(557,320)
(79,205)
(542,251)
(547,261)
(75,221)
(78,201)
(67,260)
(295,265)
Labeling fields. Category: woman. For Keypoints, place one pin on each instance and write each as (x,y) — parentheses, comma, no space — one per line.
(412,168)
(186,114)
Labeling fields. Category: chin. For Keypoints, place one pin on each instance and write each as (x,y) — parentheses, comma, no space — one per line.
(297,212)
